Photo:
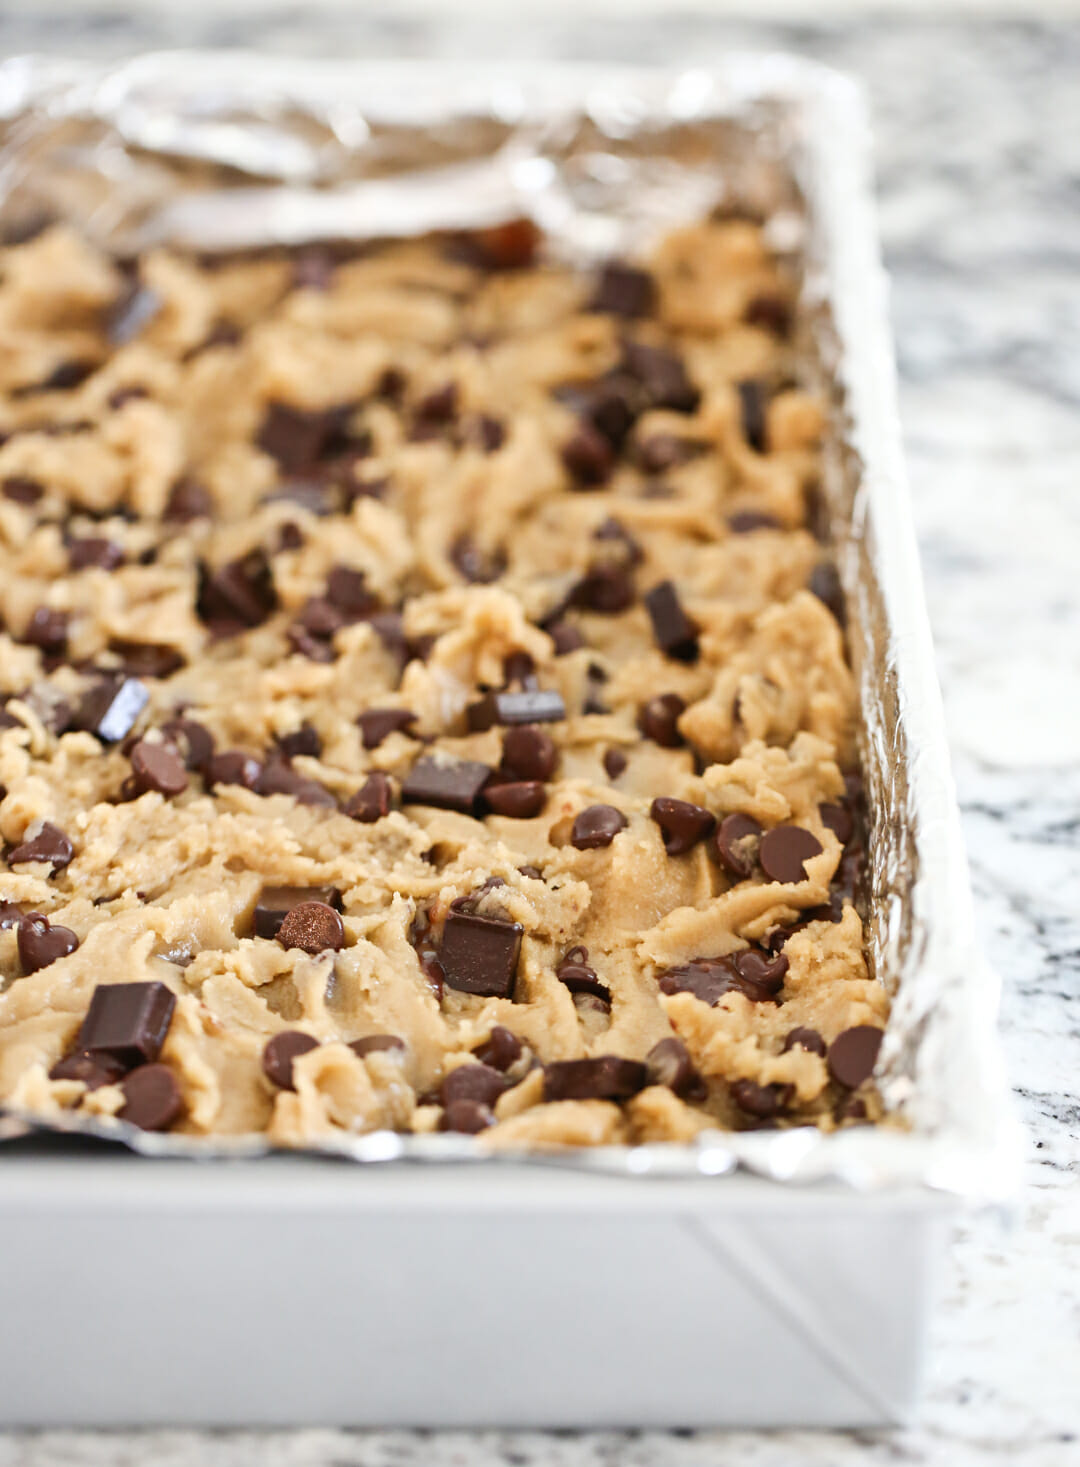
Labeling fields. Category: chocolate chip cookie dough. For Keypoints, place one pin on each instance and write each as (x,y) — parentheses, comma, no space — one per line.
(424,698)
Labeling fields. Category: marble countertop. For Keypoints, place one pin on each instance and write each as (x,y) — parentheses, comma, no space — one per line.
(979,179)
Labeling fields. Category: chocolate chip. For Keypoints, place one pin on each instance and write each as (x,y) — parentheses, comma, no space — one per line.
(839,820)
(615,762)
(661,376)
(127,1021)
(439,406)
(242,591)
(596,826)
(825,584)
(658,719)
(48,844)
(851,1108)
(94,1070)
(669,1063)
(310,646)
(304,740)
(623,290)
(152,1099)
(41,943)
(509,246)
(663,451)
(477,1082)
(532,872)
(749,520)
(752,407)
(10,915)
(532,705)
(466,1116)
(372,800)
(188,500)
(682,823)
(853,1054)
(608,1077)
(146,659)
(676,635)
(588,456)
(757,975)
(566,636)
(477,566)
(21,490)
(451,786)
(279,778)
(520,800)
(280,1052)
(575,972)
(377,723)
(276,902)
(319,617)
(68,375)
(762,1101)
(501,1049)
(232,766)
(530,753)
(736,844)
(376,1044)
(771,312)
(157,767)
(804,1038)
(314,927)
(480,954)
(299,438)
(135,307)
(606,587)
(488,432)
(783,851)
(94,551)
(47,629)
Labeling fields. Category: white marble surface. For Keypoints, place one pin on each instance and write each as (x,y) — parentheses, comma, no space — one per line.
(980,198)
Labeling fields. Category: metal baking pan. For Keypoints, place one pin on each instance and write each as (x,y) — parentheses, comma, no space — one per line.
(755,1278)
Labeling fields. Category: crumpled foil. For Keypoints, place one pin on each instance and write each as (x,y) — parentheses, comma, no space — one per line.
(227,151)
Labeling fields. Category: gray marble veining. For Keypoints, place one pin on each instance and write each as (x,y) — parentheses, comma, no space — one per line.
(979,179)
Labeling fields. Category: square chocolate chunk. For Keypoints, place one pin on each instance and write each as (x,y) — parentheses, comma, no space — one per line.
(480,954)
(128,1021)
(450,786)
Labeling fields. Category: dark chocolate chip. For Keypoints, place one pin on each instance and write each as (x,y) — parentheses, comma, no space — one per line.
(746,521)
(519,800)
(152,1099)
(736,844)
(579,977)
(757,975)
(606,587)
(682,823)
(661,376)
(531,705)
(312,926)
(596,826)
(804,1038)
(783,851)
(146,659)
(532,872)
(279,1053)
(135,307)
(47,629)
(466,1116)
(377,723)
(450,786)
(519,667)
(529,753)
(853,1054)
(608,1077)
(623,290)
(278,777)
(242,591)
(752,407)
(437,407)
(479,567)
(566,636)
(188,500)
(669,1063)
(658,719)
(128,1021)
(480,954)
(509,246)
(95,551)
(320,617)
(94,1070)
(851,1108)
(21,490)
(49,844)
(157,767)
(41,943)
(304,740)
(588,456)
(824,582)
(615,762)
(488,432)
(372,800)
(232,766)
(478,1082)
(762,1101)
(771,312)
(676,635)
(501,1049)
(276,902)
(839,820)
(376,1044)
(660,452)
(310,646)
(299,438)
(69,375)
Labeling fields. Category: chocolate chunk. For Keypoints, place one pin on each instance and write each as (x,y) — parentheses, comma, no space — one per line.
(279,1053)
(466,1116)
(188,500)
(532,705)
(279,778)
(68,375)
(520,800)
(825,584)
(319,617)
(372,800)
(575,972)
(376,1044)
(736,844)
(146,659)
(853,1054)
(661,376)
(290,537)
(623,290)
(49,843)
(488,432)
(128,1021)
(839,820)
(94,1070)
(232,766)
(299,438)
(135,307)
(438,407)
(663,451)
(377,723)
(310,646)
(676,635)
(746,521)
(94,551)
(529,753)
(477,566)
(10,915)
(771,312)
(152,1099)
(658,719)
(804,1038)
(682,823)
(566,636)
(756,975)
(501,1049)
(608,1077)
(240,592)
(669,1063)
(606,587)
(157,767)
(47,629)
(312,926)
(41,943)
(303,740)
(851,1108)
(472,1082)
(276,902)
(596,826)
(21,490)
(588,456)
(784,849)
(752,407)
(762,1101)
(451,786)
(509,246)
(480,954)
(615,763)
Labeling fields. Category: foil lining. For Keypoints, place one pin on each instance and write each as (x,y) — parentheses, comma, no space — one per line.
(227,151)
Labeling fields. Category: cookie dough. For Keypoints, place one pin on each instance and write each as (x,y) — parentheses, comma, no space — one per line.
(424,698)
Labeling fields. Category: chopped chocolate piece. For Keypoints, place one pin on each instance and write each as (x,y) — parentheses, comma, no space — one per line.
(128,1021)
(303,740)
(372,800)
(611,405)
(319,617)
(501,1049)
(94,1070)
(95,551)
(519,667)
(588,456)
(520,800)
(68,375)
(682,823)
(232,766)
(280,1052)
(746,521)
(596,826)
(135,307)
(377,723)
(669,1063)
(21,490)
(276,902)
(804,1038)
(152,1099)
(839,820)
(662,451)
(608,1077)
(188,500)
(529,753)
(615,762)
(48,843)
(566,636)
(290,537)
(825,584)
(606,587)
(477,566)
(658,719)
(480,954)
(784,849)
(757,975)
(310,646)
(662,377)
(532,872)
(623,290)
(146,659)
(454,785)
(509,246)
(736,844)
(467,1116)
(279,778)
(157,767)
(533,705)
(242,591)
(312,926)
(191,741)
(771,312)
(472,1082)
(376,1044)
(676,635)
(614,532)
(40,942)
(574,971)
(762,1101)
(488,432)
(471,901)
(47,629)
(300,438)
(853,1054)
(752,406)
(439,406)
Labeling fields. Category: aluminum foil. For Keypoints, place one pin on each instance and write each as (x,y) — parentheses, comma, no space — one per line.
(227,151)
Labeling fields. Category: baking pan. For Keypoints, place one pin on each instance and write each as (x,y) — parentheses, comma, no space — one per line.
(760,1278)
